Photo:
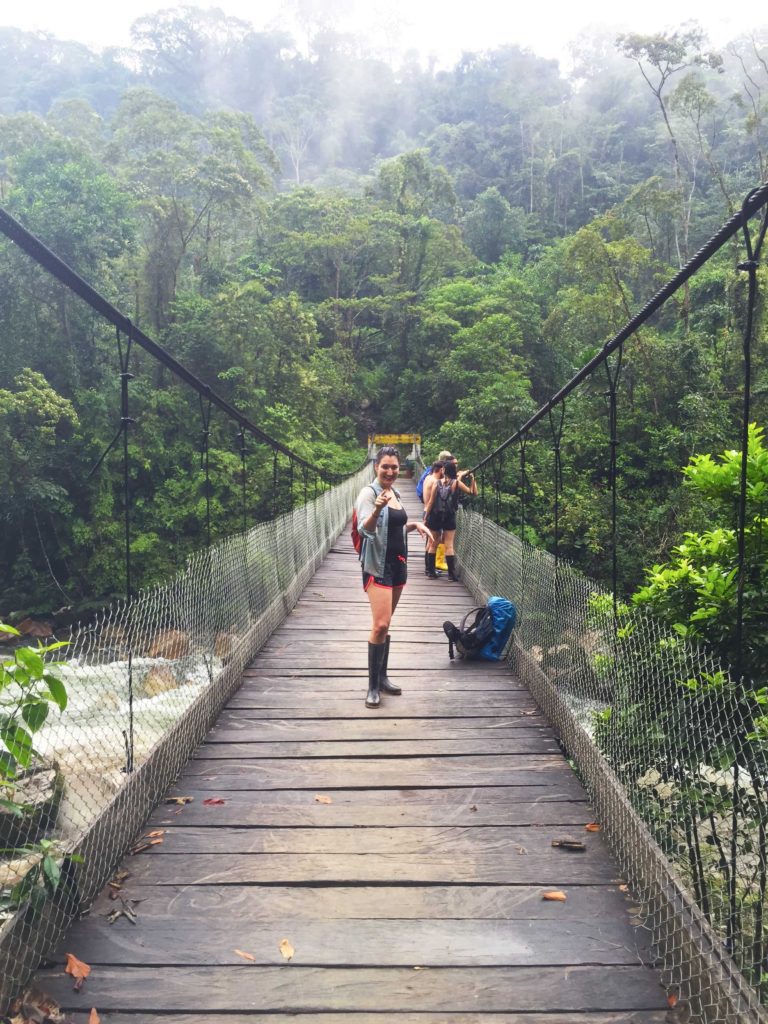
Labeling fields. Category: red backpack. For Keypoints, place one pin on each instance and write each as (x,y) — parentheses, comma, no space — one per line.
(357,540)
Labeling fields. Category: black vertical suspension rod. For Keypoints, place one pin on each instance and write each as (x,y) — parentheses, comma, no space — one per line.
(243,478)
(613,382)
(275,485)
(557,436)
(523,474)
(205,465)
(125,422)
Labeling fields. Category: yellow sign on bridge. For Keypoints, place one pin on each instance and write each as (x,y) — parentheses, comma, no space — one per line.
(394,439)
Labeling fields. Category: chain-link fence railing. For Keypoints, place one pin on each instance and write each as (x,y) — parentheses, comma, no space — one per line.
(674,755)
(144,683)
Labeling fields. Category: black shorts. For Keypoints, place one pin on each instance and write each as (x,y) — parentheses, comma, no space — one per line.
(395,575)
(437,521)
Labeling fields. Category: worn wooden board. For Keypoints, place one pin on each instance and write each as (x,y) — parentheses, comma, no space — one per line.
(255,810)
(292,988)
(255,903)
(506,868)
(524,743)
(333,773)
(453,840)
(572,1017)
(375,727)
(355,943)
(327,709)
(423,701)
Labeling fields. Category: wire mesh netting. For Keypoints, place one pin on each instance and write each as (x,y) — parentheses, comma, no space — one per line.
(144,683)
(673,752)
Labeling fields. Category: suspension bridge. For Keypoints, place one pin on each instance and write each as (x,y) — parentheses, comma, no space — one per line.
(249,842)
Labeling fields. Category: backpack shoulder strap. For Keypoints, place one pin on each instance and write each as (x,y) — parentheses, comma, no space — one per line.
(472,611)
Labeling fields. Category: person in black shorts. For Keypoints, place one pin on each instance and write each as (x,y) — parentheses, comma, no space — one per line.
(383,525)
(443,518)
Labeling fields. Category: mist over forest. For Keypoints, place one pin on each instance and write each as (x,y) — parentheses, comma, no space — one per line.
(337,244)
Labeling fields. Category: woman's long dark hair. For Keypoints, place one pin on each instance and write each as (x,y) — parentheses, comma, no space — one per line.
(450,471)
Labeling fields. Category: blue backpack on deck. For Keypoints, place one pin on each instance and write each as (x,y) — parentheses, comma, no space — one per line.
(484,632)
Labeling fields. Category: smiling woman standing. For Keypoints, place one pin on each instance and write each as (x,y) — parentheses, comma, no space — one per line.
(383,525)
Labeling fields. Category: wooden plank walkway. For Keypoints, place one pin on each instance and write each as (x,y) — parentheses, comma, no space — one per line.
(402,852)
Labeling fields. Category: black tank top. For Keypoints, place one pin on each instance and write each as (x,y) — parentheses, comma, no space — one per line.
(398,517)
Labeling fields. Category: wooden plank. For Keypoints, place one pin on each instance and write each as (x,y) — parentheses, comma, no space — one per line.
(333,903)
(451,840)
(356,656)
(354,679)
(572,1017)
(423,703)
(384,868)
(296,989)
(515,747)
(374,728)
(397,773)
(356,943)
(391,707)
(241,809)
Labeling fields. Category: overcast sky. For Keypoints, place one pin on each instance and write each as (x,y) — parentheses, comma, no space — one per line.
(442,28)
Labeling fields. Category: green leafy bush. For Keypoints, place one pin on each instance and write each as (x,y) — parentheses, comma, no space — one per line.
(695,592)
(29,687)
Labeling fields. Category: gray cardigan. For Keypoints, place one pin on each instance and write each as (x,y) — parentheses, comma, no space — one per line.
(373,553)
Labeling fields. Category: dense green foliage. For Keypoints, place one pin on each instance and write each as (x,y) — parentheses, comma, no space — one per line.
(336,246)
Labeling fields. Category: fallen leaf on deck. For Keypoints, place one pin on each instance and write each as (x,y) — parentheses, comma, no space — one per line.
(93,1017)
(77,969)
(672,999)
(245,956)
(593,827)
(286,949)
(156,832)
(214,801)
(623,888)
(555,894)
(321,798)
(520,849)
(473,807)
(179,799)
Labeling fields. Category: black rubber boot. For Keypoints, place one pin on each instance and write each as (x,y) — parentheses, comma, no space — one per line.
(384,684)
(426,563)
(375,656)
(451,560)
(431,567)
